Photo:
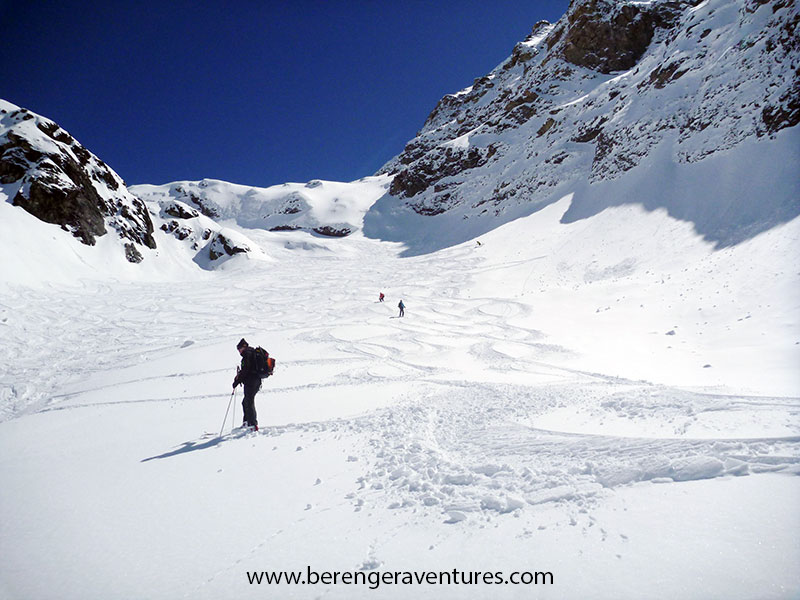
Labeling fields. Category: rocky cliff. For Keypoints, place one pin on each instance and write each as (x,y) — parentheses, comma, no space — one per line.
(45,171)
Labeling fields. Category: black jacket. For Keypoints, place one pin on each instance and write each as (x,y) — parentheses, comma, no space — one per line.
(247,371)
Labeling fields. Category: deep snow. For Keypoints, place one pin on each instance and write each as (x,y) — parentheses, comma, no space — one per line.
(611,400)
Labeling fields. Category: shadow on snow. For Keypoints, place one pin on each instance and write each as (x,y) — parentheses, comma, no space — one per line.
(194,445)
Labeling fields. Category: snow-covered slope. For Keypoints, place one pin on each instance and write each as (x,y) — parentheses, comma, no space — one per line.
(687,106)
(325,207)
(211,221)
(554,406)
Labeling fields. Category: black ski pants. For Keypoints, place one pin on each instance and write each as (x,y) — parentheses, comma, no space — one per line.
(251,388)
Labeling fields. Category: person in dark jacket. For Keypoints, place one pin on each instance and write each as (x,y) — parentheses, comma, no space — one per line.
(402,308)
(247,375)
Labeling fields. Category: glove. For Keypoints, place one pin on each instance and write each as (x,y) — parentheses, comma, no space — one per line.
(236,379)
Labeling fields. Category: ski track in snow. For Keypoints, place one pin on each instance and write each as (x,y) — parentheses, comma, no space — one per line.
(444,442)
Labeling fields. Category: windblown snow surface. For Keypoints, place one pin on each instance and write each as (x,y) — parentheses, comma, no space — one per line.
(610,401)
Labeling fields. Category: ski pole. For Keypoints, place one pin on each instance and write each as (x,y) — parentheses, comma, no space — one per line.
(225,420)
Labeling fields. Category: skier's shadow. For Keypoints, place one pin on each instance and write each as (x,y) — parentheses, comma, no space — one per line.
(189,447)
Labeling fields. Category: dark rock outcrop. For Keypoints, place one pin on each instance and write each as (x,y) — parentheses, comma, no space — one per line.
(58,181)
(435,167)
(329,231)
(191,198)
(610,36)
(180,211)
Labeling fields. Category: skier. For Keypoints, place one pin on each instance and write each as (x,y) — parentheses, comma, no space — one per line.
(381,297)
(402,308)
(247,375)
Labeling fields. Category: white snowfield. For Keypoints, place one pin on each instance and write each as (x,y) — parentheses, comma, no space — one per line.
(612,402)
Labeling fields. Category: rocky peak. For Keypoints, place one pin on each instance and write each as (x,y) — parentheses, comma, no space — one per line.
(587,99)
(45,171)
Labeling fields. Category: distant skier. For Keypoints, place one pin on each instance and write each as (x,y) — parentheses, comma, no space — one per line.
(402,308)
(381,297)
(248,376)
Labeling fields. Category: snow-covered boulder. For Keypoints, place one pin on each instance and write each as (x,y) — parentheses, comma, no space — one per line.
(227,243)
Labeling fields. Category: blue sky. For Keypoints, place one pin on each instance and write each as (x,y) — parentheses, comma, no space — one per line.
(258,93)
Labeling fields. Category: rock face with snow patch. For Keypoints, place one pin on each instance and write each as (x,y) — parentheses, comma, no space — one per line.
(44,170)
(208,243)
(609,87)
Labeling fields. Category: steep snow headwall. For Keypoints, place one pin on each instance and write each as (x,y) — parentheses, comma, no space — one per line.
(610,92)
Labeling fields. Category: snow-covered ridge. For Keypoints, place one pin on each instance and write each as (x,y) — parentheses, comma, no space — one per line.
(326,207)
(45,173)
(49,181)
(612,88)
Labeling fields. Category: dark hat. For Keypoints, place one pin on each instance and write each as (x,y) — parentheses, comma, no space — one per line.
(242,343)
